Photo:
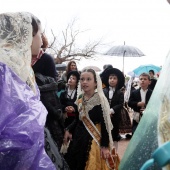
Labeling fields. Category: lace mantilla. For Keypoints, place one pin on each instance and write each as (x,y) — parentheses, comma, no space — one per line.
(15,44)
(89,104)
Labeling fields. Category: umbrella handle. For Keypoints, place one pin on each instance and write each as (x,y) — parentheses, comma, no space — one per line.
(161,156)
(123,59)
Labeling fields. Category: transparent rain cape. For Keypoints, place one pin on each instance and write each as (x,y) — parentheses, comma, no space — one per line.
(153,125)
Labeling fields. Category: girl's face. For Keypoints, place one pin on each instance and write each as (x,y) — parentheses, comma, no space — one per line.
(73,66)
(72,81)
(37,42)
(113,80)
(87,81)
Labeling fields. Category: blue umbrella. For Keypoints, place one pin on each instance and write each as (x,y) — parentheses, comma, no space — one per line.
(145,69)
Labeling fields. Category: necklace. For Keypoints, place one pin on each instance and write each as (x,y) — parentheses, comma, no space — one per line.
(85,99)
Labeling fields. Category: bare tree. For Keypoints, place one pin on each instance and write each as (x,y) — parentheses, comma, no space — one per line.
(67,49)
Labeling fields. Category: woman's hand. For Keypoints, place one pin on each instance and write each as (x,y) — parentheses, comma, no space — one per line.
(104,152)
(69,109)
(67,137)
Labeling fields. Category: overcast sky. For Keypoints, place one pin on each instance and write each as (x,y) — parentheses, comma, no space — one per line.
(141,23)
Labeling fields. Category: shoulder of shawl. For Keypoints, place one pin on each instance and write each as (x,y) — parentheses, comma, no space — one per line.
(80,99)
(94,101)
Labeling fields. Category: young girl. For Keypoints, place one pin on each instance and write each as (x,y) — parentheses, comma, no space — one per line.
(114,81)
(68,97)
(92,140)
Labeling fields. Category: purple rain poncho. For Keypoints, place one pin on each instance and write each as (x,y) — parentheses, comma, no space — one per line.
(22,119)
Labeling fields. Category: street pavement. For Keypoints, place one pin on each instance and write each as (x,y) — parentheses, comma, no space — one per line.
(122,145)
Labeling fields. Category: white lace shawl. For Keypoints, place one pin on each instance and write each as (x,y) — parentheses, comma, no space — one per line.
(15,44)
(105,107)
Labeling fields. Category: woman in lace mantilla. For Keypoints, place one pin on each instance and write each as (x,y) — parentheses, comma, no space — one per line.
(23,117)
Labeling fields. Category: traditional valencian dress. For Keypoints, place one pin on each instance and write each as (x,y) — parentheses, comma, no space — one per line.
(92,132)
(84,153)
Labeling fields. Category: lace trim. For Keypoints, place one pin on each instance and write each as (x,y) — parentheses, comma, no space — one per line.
(15,44)
(89,104)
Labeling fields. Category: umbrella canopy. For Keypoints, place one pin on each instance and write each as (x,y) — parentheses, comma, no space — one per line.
(145,69)
(60,67)
(95,68)
(125,51)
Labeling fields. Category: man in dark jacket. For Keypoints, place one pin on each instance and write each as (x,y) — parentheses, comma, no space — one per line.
(153,79)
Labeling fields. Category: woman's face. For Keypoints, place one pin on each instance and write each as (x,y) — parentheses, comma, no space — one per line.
(73,66)
(37,42)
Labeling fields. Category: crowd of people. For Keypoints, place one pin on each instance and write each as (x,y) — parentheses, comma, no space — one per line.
(41,114)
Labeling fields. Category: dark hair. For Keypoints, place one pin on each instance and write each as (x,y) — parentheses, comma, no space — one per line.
(91,71)
(146,75)
(113,75)
(74,73)
(152,72)
(35,25)
(45,42)
(68,66)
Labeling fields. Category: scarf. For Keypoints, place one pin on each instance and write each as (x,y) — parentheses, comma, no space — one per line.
(15,45)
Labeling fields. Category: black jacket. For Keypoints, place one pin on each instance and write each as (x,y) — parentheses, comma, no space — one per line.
(117,100)
(135,97)
(48,96)
(45,66)
(153,83)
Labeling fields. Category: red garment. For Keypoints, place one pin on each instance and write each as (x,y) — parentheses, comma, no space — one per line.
(35,58)
(71,114)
